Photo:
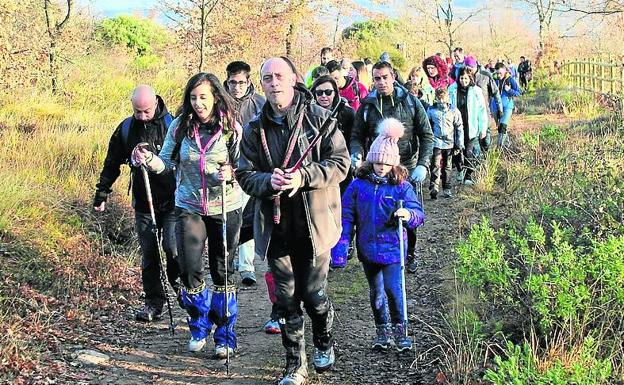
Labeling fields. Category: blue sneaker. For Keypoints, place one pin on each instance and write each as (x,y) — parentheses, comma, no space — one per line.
(323,359)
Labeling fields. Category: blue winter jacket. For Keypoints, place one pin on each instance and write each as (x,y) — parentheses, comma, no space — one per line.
(506,96)
(370,206)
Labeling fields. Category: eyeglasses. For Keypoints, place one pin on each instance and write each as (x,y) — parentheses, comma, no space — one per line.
(235,83)
(321,92)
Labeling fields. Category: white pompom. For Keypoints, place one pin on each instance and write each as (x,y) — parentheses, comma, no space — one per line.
(392,128)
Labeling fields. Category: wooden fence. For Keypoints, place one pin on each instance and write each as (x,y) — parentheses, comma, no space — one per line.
(602,75)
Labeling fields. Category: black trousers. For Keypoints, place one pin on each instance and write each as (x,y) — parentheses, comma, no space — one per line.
(192,232)
(441,167)
(150,262)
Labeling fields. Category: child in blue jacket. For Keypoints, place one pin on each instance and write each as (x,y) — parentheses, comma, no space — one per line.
(508,88)
(370,205)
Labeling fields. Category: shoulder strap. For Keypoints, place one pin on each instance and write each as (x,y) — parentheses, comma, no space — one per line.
(168,118)
(125,130)
(365,112)
(356,90)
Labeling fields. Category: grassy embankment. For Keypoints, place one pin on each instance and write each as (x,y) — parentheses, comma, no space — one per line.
(59,260)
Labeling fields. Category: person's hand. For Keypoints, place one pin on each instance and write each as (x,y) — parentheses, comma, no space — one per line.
(456,151)
(419,174)
(99,201)
(403,214)
(356,160)
(295,180)
(507,87)
(141,155)
(225,173)
(100,208)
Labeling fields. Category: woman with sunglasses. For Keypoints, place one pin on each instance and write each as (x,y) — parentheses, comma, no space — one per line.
(325,91)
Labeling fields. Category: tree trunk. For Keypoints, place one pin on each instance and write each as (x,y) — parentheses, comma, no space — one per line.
(289,38)
(53,33)
(202,42)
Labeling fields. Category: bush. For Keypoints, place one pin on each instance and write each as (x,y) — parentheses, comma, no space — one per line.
(141,36)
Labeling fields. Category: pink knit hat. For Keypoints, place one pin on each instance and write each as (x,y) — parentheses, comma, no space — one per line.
(384,148)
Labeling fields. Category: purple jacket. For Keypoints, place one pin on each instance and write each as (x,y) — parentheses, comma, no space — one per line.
(369,206)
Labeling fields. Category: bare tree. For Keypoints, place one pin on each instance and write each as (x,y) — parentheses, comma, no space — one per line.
(446,21)
(545,10)
(194,17)
(54,30)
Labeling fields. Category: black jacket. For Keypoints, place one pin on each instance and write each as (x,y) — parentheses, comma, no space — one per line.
(325,167)
(162,185)
(416,144)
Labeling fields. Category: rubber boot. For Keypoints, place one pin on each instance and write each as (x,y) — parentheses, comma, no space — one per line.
(225,319)
(293,341)
(502,135)
(196,302)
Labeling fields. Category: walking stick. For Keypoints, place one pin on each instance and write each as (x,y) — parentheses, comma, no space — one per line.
(163,276)
(226,309)
(402,251)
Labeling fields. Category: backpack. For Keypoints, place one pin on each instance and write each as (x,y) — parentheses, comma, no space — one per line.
(125,127)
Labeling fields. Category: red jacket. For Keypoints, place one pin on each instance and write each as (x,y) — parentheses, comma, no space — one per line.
(354,92)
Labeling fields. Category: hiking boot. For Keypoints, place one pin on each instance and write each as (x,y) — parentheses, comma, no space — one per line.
(221,351)
(196,345)
(272,327)
(382,340)
(292,379)
(434,193)
(412,263)
(248,278)
(402,342)
(148,313)
(323,359)
(460,175)
(446,193)
(469,182)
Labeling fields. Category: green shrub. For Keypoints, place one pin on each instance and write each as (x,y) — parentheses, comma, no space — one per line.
(141,36)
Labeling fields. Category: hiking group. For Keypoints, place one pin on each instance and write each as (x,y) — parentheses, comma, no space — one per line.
(330,165)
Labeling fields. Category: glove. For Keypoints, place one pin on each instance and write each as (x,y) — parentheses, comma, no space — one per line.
(356,160)
(340,254)
(403,214)
(456,151)
(419,174)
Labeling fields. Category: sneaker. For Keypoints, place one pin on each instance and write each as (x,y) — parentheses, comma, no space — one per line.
(469,182)
(446,193)
(323,359)
(382,339)
(148,313)
(460,176)
(221,351)
(292,379)
(196,345)
(402,341)
(412,263)
(248,278)
(434,193)
(272,327)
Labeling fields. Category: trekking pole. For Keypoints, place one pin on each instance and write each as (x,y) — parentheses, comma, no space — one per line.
(163,276)
(402,252)
(226,309)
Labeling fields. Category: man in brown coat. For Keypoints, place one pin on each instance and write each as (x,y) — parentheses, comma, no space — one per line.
(297,238)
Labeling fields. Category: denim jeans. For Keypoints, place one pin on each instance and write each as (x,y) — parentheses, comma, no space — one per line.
(150,262)
(386,294)
(192,232)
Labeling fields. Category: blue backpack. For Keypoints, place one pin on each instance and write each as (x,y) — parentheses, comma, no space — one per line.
(125,127)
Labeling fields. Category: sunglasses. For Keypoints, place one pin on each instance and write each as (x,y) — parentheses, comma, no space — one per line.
(321,92)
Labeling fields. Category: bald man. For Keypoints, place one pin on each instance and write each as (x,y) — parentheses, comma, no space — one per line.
(298,238)
(148,123)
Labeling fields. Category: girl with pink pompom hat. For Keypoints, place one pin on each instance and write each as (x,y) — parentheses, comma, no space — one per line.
(369,209)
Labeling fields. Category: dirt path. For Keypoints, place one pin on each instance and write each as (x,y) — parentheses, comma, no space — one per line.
(147,354)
